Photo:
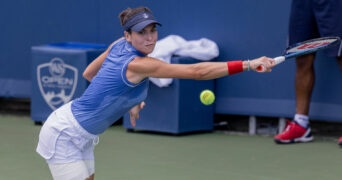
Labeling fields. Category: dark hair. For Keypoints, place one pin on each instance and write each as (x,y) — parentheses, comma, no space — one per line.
(129,12)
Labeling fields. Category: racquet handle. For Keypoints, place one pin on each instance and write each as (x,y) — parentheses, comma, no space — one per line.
(279,59)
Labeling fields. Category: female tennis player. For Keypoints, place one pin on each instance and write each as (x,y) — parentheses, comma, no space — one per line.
(119,84)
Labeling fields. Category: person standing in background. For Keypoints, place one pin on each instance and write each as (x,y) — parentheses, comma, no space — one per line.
(309,19)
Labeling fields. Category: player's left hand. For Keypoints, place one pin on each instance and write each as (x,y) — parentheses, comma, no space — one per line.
(134,113)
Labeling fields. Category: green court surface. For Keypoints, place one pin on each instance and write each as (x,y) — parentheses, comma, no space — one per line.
(146,156)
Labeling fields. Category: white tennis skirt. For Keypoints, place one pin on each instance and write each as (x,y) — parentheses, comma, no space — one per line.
(63,140)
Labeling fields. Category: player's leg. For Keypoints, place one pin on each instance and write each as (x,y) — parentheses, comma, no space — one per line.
(72,160)
(67,148)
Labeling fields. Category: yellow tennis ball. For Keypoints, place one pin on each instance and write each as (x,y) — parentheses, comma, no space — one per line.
(207,97)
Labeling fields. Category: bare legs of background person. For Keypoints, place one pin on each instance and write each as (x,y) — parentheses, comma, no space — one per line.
(304,83)
(305,79)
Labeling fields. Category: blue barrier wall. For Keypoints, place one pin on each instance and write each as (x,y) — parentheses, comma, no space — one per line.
(243,29)
(237,26)
(29,23)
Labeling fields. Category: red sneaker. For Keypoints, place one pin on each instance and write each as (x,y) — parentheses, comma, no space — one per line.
(294,133)
(340,141)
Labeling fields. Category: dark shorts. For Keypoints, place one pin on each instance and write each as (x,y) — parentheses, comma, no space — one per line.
(316,18)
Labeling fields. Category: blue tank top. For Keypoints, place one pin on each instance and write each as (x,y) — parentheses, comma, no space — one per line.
(110,95)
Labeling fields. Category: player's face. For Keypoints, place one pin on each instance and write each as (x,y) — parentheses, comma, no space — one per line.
(145,40)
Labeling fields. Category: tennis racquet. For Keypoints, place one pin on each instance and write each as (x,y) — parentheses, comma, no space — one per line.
(305,47)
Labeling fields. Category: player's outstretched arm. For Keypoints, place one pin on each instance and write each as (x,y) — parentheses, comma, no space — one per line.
(143,67)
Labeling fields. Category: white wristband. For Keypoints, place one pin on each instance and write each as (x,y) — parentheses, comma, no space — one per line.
(249,65)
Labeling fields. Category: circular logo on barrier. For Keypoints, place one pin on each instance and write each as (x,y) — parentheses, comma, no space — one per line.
(57,82)
(56,67)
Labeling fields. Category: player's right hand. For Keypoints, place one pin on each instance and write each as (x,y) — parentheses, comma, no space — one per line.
(262,64)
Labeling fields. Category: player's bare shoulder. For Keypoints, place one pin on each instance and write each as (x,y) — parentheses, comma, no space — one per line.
(137,64)
(145,65)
